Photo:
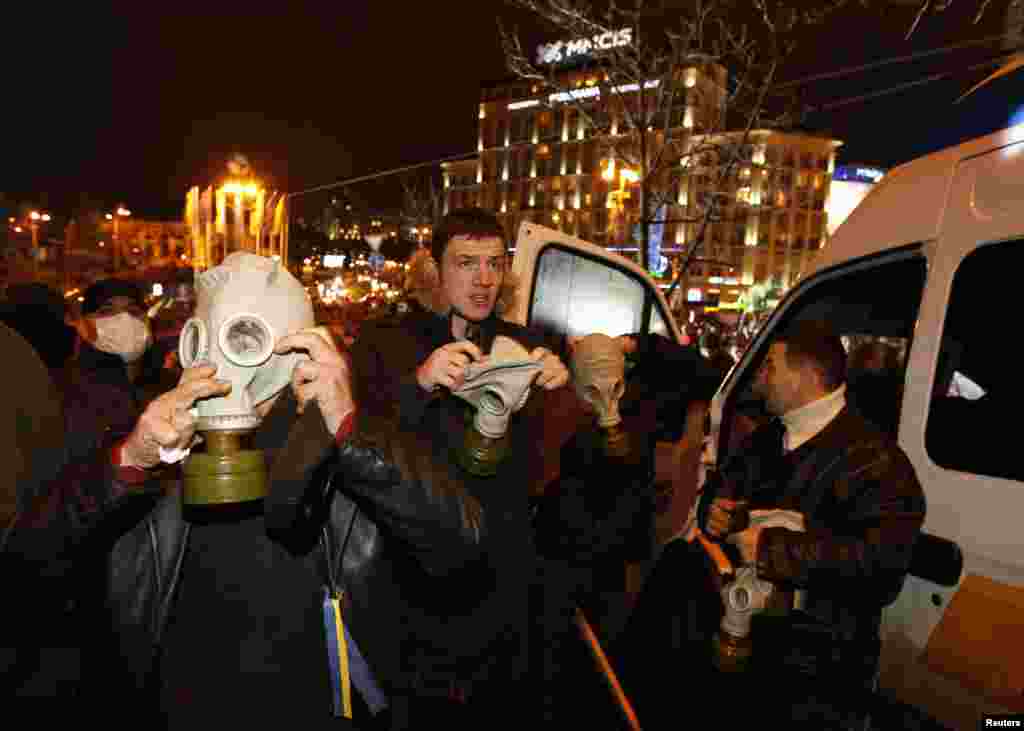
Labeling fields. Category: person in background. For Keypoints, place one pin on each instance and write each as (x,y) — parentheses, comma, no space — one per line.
(112,377)
(38,655)
(715,351)
(37,313)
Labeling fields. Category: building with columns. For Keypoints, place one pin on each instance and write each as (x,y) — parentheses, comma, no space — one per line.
(236,214)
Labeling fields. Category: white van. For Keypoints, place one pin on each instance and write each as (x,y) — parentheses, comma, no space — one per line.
(932,263)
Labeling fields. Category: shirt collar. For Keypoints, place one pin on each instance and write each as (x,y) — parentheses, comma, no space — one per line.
(808,420)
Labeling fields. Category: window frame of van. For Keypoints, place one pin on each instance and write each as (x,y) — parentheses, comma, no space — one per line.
(754,355)
(649,299)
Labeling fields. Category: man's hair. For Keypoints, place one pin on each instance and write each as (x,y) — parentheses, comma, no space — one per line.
(472,222)
(101,292)
(816,344)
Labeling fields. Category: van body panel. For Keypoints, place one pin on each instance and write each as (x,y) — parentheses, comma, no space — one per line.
(908,204)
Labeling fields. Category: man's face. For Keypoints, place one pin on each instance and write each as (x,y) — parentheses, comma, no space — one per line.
(472,270)
(777,382)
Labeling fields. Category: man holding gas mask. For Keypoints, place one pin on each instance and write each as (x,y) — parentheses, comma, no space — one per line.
(856,497)
(259,590)
(467,639)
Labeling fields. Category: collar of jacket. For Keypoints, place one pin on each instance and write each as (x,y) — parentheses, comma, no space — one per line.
(439,330)
(95,361)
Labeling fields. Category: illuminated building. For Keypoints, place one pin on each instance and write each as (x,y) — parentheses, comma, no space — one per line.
(236,214)
(539,161)
(850,183)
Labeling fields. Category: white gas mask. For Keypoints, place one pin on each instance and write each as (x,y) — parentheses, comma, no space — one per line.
(497,389)
(124,334)
(244,306)
(748,595)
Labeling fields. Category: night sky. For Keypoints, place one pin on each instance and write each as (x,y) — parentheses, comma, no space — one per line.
(120,103)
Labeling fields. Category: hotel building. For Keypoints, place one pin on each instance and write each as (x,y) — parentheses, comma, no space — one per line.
(538,161)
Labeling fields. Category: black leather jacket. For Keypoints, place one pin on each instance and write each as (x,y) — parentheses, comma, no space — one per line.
(352,503)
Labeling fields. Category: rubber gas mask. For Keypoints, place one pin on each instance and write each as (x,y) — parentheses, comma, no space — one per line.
(747,596)
(496,388)
(599,368)
(244,306)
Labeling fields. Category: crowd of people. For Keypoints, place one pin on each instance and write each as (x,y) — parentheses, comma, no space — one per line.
(404,560)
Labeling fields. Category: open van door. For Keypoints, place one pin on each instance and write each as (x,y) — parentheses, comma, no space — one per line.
(571,287)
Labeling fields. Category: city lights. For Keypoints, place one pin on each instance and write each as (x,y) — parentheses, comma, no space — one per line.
(236,188)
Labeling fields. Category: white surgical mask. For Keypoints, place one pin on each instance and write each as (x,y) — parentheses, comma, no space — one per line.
(124,335)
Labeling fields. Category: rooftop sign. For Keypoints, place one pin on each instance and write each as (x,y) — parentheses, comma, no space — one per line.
(549,54)
(858,174)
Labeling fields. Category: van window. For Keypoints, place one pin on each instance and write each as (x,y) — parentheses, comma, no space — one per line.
(977,390)
(577,295)
(873,307)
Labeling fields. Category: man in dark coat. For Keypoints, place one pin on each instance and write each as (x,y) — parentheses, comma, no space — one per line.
(862,508)
(32,440)
(220,615)
(468,640)
(107,384)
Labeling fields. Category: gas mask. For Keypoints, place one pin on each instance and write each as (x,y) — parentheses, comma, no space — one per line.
(244,306)
(124,335)
(747,595)
(497,389)
(599,368)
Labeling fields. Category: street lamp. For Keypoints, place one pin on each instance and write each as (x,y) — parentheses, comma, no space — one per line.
(34,218)
(121,212)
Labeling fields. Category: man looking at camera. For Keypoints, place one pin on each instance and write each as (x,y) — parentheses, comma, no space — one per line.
(467,639)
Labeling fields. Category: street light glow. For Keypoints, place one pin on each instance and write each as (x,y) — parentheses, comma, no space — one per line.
(46,216)
(17,229)
(34,215)
(247,188)
(123,212)
(110,216)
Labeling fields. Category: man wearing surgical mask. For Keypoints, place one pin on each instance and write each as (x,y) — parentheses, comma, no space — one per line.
(107,389)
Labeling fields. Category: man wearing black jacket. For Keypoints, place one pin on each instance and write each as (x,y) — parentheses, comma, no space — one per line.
(219,616)
(467,639)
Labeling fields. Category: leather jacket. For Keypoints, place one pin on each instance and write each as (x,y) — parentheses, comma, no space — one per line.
(863,509)
(324,497)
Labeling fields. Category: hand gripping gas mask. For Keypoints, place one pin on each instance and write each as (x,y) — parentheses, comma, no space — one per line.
(747,595)
(599,369)
(244,306)
(497,389)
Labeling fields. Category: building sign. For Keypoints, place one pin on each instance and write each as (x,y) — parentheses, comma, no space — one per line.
(694,295)
(857,174)
(561,51)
